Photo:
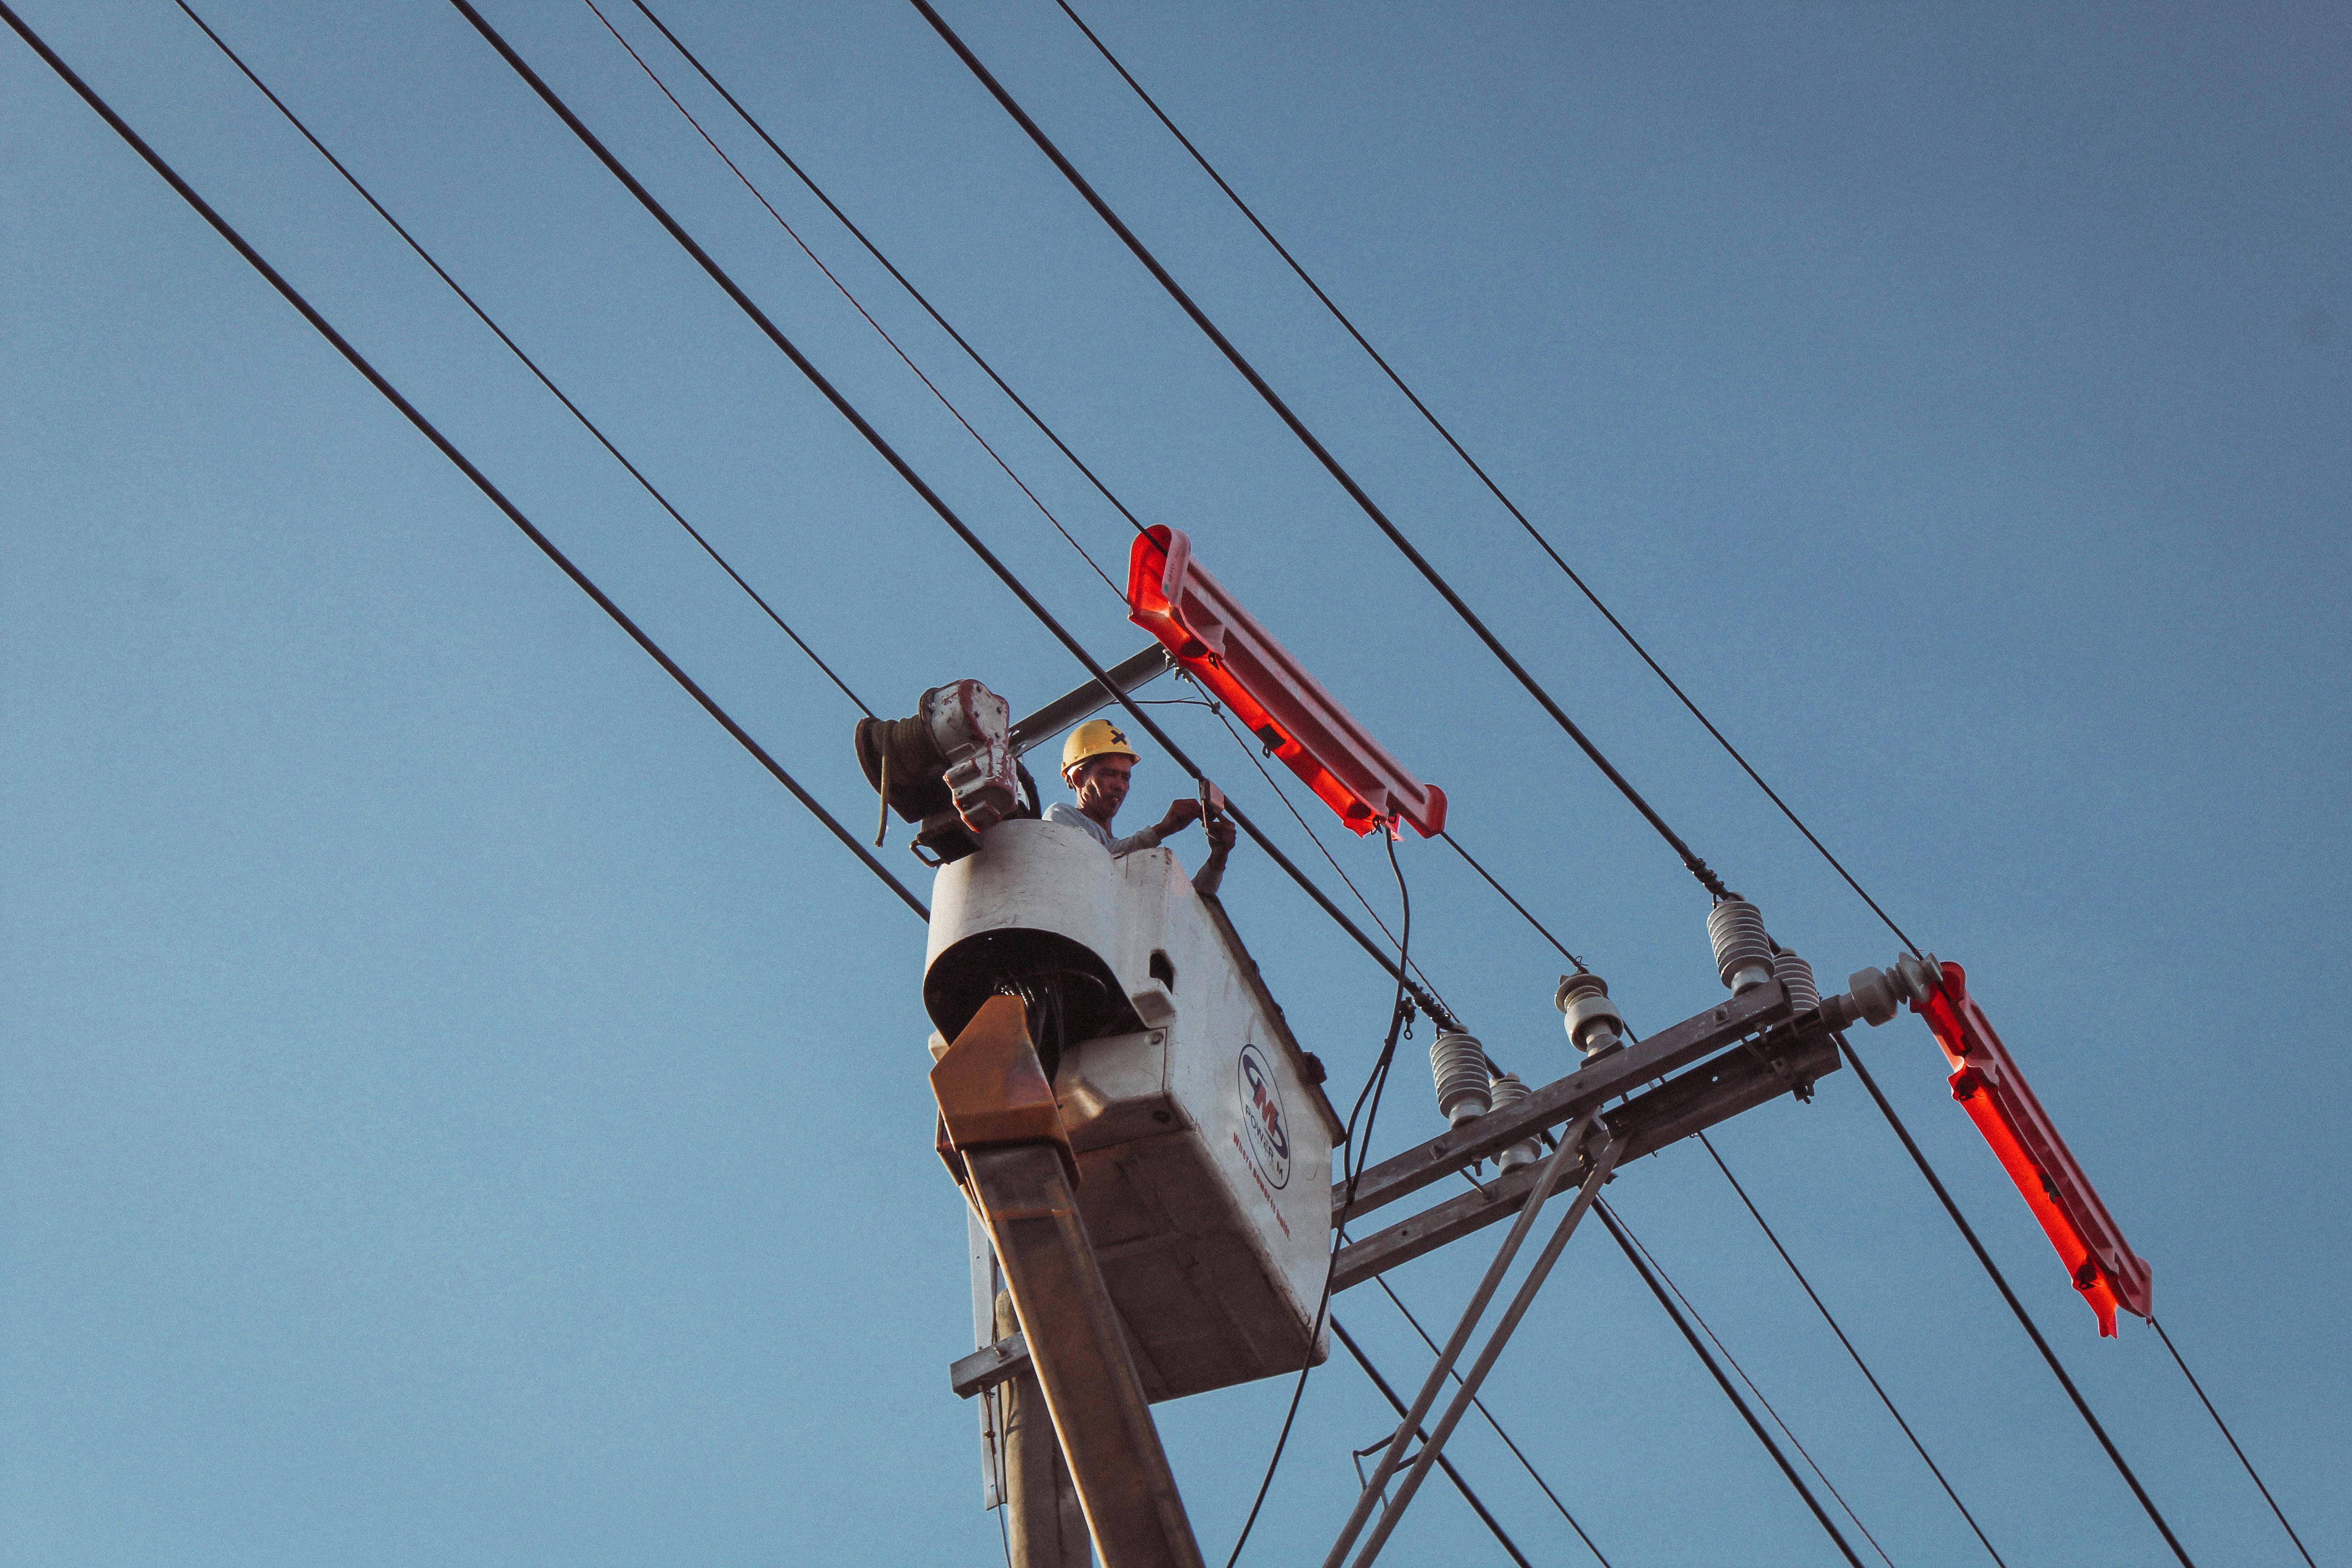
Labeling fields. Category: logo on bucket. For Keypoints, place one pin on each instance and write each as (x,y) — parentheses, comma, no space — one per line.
(1268,1139)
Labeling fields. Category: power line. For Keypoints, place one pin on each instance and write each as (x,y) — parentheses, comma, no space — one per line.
(528,363)
(880,330)
(1488,1520)
(1993,1269)
(2224,1425)
(1525,1463)
(425,428)
(1632,1254)
(915,481)
(1716,1340)
(1697,868)
(1875,1386)
(1484,478)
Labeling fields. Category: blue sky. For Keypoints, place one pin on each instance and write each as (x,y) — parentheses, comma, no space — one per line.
(461,1108)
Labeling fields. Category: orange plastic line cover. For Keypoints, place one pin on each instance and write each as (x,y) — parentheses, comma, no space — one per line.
(1986,1081)
(1222,646)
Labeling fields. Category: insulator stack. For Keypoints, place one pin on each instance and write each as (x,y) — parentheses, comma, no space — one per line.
(1743,953)
(1458,1062)
(1804,994)
(1592,1019)
(1509,1087)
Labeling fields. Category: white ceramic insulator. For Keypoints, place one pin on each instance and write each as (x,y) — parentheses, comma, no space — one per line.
(1743,953)
(1508,1087)
(1458,1062)
(1804,992)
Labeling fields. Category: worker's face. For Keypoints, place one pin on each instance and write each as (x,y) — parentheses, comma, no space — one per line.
(1102,785)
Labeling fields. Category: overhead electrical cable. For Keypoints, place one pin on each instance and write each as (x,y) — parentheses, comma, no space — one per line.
(425,428)
(880,330)
(2000,1282)
(1484,478)
(1778,1420)
(923,490)
(1634,1256)
(516,349)
(1480,1405)
(1389,1392)
(1875,1387)
(2226,1433)
(1697,868)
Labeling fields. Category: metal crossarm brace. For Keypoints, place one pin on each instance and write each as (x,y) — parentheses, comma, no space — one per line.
(1736,1080)
(1621,1072)
(1547,1175)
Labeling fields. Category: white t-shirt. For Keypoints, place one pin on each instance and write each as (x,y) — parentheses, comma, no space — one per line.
(1069,815)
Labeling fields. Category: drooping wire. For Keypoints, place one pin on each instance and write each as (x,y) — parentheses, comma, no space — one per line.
(1778,1420)
(1389,1392)
(2000,1282)
(529,364)
(880,330)
(1525,1463)
(1634,1256)
(2224,1425)
(448,450)
(1353,1165)
(1884,1398)
(1476,467)
(922,489)
(1697,868)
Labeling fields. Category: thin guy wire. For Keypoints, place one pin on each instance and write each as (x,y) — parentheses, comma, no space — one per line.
(1624,1238)
(448,450)
(2224,1425)
(2082,1405)
(922,489)
(1352,1165)
(880,330)
(1525,1463)
(1697,868)
(1484,478)
(1812,1463)
(1884,1398)
(1460,1485)
(528,363)
(979,359)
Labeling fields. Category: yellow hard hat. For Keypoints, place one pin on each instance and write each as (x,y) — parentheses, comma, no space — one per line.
(1094,737)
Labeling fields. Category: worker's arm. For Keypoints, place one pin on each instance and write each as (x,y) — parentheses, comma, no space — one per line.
(1222,837)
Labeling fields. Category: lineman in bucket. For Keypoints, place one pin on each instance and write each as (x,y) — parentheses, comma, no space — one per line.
(1100,765)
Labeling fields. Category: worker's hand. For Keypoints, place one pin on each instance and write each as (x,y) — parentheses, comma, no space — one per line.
(1223,833)
(1181,814)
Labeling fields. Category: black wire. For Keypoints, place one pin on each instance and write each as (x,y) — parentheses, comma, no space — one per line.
(1541,931)
(2016,1306)
(1525,1463)
(2224,1425)
(1697,867)
(528,363)
(1353,1164)
(1493,1524)
(425,428)
(1875,1386)
(930,498)
(1484,478)
(880,330)
(1634,1256)
(1778,1420)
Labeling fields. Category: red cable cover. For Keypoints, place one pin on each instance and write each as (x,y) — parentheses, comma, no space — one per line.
(1222,646)
(1986,1080)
